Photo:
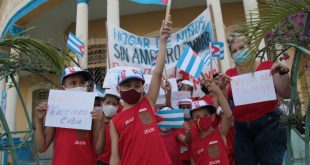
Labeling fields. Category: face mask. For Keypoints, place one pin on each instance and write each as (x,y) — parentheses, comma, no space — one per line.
(187,114)
(109,110)
(204,123)
(164,129)
(131,96)
(80,89)
(205,89)
(241,56)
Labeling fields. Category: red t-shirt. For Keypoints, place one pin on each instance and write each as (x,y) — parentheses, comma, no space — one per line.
(70,149)
(105,156)
(172,145)
(252,111)
(139,143)
(210,149)
(207,99)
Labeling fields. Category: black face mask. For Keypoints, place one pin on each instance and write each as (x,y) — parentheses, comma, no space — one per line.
(205,89)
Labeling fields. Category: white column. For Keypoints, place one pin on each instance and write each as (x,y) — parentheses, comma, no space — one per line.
(113,12)
(250,6)
(112,17)
(81,30)
(220,31)
(251,11)
(11,105)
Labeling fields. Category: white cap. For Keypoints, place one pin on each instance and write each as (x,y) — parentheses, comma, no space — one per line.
(202,104)
(187,82)
(112,92)
(129,73)
(185,102)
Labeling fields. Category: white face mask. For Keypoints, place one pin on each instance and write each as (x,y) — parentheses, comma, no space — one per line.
(164,129)
(80,89)
(109,110)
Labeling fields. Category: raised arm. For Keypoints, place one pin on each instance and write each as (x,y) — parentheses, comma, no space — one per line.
(43,137)
(227,115)
(157,73)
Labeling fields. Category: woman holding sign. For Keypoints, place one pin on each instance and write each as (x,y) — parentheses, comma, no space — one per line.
(135,137)
(260,137)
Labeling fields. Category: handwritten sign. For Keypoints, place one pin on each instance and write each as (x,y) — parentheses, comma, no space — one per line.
(111,78)
(175,98)
(70,109)
(253,88)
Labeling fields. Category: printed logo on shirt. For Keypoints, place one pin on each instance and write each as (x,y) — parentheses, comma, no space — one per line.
(213,150)
(77,142)
(214,162)
(149,130)
(200,151)
(129,121)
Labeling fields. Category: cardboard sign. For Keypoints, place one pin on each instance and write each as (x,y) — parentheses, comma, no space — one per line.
(70,109)
(253,88)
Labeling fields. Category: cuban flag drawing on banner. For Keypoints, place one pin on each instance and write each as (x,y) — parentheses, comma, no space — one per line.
(173,118)
(76,45)
(217,49)
(190,62)
(155,2)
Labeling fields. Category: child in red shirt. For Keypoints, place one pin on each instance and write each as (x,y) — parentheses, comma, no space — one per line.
(135,137)
(172,139)
(71,146)
(110,104)
(208,140)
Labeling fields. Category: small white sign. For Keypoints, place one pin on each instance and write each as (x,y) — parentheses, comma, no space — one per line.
(111,78)
(253,88)
(175,98)
(70,109)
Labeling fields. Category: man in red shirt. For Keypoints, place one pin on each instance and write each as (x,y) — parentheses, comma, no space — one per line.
(135,137)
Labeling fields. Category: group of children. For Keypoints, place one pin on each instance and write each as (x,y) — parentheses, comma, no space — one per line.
(124,128)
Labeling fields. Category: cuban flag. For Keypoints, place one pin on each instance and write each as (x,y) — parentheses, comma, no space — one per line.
(217,49)
(207,60)
(154,2)
(190,62)
(170,118)
(76,45)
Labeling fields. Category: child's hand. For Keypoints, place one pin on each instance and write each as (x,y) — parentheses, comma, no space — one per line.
(165,29)
(96,114)
(223,80)
(41,110)
(212,87)
(167,86)
(187,127)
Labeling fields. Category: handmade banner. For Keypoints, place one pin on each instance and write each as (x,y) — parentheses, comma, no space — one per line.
(129,49)
(253,88)
(70,109)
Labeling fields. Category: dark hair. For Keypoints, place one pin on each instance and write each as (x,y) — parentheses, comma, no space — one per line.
(118,99)
(179,80)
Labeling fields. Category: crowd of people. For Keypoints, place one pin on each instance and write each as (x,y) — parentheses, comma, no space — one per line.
(215,131)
